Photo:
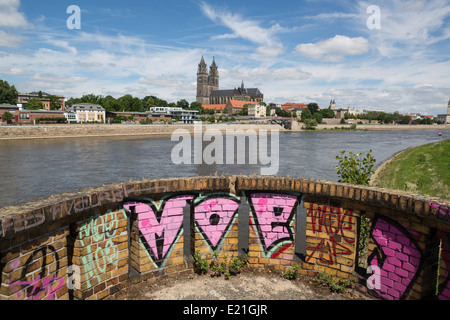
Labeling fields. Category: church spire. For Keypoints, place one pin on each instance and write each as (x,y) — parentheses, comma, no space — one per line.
(202,66)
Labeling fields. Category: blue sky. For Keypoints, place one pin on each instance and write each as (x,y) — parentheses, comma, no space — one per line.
(292,50)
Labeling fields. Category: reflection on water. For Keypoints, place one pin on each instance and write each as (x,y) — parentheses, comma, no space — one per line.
(37,168)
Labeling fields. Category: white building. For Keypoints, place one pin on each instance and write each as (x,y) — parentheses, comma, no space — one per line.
(180,114)
(445,118)
(257,110)
(85,112)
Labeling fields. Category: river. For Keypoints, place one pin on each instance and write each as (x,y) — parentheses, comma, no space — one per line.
(33,169)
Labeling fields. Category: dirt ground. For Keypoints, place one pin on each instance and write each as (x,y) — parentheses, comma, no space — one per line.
(248,285)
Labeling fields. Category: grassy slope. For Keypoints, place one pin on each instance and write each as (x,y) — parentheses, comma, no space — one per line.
(423,169)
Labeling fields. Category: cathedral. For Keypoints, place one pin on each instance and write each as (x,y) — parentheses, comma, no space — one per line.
(208,88)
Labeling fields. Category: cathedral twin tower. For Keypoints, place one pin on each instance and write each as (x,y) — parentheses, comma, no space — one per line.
(206,83)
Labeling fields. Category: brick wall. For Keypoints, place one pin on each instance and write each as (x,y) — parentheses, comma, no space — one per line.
(92,244)
(331,239)
(100,254)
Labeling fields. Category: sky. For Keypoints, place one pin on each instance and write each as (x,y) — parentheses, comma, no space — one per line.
(390,55)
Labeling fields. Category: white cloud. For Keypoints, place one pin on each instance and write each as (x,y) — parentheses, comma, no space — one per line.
(10,17)
(248,29)
(409,27)
(62,44)
(13,71)
(333,49)
(10,40)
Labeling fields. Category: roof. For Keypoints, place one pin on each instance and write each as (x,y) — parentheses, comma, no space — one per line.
(42,111)
(129,112)
(86,106)
(9,106)
(237,104)
(214,106)
(294,105)
(230,92)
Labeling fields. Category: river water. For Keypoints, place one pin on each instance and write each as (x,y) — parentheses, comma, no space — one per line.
(33,169)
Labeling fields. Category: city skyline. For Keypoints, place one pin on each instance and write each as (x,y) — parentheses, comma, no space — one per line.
(294,51)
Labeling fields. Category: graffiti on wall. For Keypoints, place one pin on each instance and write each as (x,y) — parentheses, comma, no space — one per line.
(43,286)
(335,223)
(441,209)
(160,224)
(99,228)
(397,255)
(214,216)
(272,215)
(444,287)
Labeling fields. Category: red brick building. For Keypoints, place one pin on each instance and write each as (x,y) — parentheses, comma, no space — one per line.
(22,98)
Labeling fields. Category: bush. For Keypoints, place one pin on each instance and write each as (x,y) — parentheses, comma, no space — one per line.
(7,116)
(292,273)
(358,169)
(216,268)
(147,121)
(50,119)
(355,168)
(310,124)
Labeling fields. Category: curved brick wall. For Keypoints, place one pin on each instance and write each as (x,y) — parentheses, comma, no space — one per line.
(93,243)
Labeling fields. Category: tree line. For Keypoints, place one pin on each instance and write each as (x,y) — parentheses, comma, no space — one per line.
(387,118)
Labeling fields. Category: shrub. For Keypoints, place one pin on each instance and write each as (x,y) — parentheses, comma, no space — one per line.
(292,273)
(355,168)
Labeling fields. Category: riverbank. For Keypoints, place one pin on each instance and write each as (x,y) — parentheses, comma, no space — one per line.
(378,127)
(422,169)
(106,130)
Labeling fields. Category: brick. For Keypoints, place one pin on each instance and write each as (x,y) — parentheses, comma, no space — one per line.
(408,266)
(389,252)
(401,256)
(399,287)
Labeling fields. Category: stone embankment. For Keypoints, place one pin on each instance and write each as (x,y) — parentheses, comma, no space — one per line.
(106,130)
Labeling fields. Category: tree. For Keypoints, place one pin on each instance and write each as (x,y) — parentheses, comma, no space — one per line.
(327,113)
(196,105)
(310,124)
(306,114)
(90,98)
(7,116)
(34,104)
(183,104)
(126,102)
(55,102)
(313,107)
(318,117)
(8,94)
(152,101)
(109,103)
(282,113)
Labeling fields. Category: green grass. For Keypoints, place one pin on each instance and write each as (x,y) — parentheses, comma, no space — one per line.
(423,169)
